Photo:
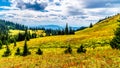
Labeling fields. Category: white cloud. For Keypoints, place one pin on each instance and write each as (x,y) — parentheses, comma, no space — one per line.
(59,12)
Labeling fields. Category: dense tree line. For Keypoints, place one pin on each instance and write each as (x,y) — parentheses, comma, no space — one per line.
(65,31)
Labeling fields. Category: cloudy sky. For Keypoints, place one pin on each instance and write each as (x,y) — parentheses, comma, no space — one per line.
(57,12)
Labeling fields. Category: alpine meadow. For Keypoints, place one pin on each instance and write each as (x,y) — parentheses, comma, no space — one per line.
(59,34)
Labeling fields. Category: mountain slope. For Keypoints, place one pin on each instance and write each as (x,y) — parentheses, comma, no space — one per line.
(106,26)
(99,35)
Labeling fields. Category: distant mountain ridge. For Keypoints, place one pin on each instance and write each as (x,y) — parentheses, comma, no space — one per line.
(54,27)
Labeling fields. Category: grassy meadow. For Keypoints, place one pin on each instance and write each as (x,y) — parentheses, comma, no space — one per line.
(96,40)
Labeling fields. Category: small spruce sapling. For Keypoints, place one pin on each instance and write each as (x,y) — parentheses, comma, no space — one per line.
(39,51)
(68,50)
(81,49)
(17,51)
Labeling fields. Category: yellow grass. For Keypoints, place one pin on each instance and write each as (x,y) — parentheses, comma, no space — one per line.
(38,32)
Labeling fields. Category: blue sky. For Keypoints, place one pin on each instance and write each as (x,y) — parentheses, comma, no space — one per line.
(57,12)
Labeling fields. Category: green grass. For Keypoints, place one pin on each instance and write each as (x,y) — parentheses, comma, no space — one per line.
(96,40)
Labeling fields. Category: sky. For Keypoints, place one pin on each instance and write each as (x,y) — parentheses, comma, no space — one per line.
(57,12)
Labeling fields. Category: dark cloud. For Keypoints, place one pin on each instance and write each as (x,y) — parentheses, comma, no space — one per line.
(35,6)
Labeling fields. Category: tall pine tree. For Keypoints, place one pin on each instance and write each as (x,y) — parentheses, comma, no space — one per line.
(25,49)
(0,44)
(91,25)
(66,29)
(15,43)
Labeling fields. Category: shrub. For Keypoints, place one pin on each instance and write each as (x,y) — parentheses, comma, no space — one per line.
(7,52)
(81,49)
(91,25)
(39,52)
(0,44)
(68,50)
(115,42)
(17,51)
(14,43)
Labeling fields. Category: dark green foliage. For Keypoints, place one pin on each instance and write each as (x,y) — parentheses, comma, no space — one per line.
(66,29)
(7,52)
(0,44)
(27,34)
(39,52)
(41,35)
(15,43)
(115,42)
(91,25)
(68,50)
(17,51)
(81,28)
(22,36)
(34,35)
(103,19)
(71,31)
(25,49)
(118,20)
(81,49)
(6,42)
(11,25)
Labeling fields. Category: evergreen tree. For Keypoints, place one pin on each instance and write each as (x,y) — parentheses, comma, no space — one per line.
(27,34)
(115,42)
(66,29)
(14,43)
(91,25)
(25,49)
(34,35)
(0,44)
(39,52)
(68,50)
(81,49)
(17,51)
(71,31)
(7,52)
(21,36)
